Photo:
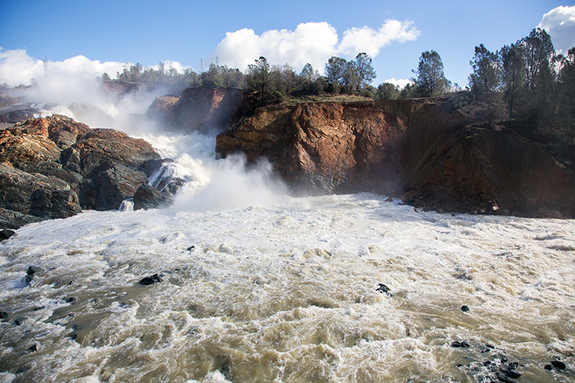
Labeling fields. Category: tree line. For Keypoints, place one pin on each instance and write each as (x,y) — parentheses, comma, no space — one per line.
(526,80)
(529,79)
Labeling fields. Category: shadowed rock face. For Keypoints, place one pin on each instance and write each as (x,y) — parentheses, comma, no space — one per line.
(54,167)
(433,159)
(197,109)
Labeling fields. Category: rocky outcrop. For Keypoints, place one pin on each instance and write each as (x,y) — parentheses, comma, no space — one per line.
(54,167)
(326,147)
(413,149)
(197,109)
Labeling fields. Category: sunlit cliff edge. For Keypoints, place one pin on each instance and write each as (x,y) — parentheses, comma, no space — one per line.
(413,149)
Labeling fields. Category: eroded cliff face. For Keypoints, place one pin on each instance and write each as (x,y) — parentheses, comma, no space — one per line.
(416,150)
(197,109)
(326,147)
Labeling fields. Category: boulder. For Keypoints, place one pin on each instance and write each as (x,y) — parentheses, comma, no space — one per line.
(148,197)
(53,167)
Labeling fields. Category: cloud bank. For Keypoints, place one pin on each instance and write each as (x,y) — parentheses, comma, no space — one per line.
(312,43)
(560,24)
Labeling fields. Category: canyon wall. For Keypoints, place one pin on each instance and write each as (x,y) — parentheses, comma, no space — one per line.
(413,149)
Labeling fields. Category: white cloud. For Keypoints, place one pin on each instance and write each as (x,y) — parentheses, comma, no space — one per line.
(311,43)
(16,67)
(560,24)
(370,41)
(402,82)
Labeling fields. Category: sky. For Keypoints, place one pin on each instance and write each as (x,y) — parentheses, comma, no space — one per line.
(93,37)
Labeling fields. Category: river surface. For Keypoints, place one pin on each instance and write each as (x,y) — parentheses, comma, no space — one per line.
(257,286)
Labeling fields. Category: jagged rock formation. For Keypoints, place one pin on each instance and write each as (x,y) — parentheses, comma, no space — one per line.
(54,167)
(413,149)
(197,109)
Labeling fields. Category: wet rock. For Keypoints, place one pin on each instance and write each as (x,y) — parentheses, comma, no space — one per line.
(6,233)
(33,270)
(3,315)
(462,344)
(465,308)
(150,280)
(19,321)
(384,290)
(28,279)
(148,197)
(35,347)
(70,299)
(53,167)
(558,364)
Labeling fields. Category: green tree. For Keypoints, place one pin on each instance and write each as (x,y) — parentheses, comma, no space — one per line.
(334,71)
(260,80)
(430,79)
(387,91)
(365,71)
(408,91)
(537,49)
(513,73)
(486,76)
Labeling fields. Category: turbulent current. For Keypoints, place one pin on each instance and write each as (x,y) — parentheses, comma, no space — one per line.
(254,286)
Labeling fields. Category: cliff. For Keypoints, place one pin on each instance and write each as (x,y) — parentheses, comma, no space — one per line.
(413,149)
(197,109)
(54,167)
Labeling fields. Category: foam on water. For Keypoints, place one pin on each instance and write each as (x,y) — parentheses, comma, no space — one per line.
(288,292)
(259,287)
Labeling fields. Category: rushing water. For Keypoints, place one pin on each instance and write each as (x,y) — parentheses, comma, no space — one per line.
(260,287)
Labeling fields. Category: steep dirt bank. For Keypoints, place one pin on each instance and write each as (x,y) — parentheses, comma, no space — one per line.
(413,149)
(197,109)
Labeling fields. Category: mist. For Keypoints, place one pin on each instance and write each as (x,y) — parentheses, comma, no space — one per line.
(74,88)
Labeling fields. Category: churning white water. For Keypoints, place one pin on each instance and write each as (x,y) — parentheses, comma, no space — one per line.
(255,286)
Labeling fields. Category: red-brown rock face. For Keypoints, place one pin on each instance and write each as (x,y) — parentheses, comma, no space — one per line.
(326,147)
(436,160)
(198,109)
(53,167)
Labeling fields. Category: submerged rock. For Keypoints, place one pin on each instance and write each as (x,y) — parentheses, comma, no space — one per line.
(150,280)
(6,233)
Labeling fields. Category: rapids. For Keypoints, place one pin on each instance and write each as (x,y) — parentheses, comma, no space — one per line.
(257,286)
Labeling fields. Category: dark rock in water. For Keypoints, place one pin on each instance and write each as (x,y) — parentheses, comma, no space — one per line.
(3,315)
(35,347)
(465,308)
(191,248)
(384,290)
(548,367)
(28,279)
(33,270)
(148,197)
(74,336)
(70,299)
(6,233)
(459,344)
(558,365)
(19,321)
(150,280)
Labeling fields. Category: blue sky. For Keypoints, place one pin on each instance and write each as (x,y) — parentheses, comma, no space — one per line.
(237,32)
